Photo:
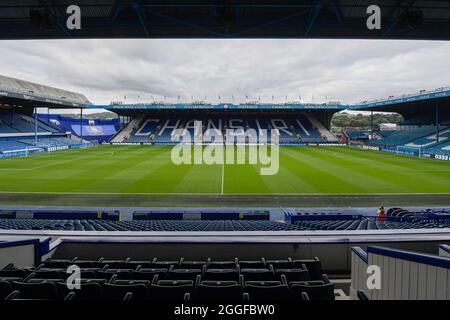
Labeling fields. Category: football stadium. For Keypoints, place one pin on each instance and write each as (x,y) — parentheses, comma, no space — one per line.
(237,202)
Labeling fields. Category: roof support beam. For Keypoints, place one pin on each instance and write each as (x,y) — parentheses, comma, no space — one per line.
(57,14)
(396,14)
(313,18)
(142,16)
(115,10)
(338,11)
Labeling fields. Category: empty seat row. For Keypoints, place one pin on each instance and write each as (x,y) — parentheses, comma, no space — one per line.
(219,225)
(370,224)
(157,266)
(209,270)
(169,290)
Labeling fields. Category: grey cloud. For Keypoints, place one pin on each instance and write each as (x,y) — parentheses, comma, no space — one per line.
(346,70)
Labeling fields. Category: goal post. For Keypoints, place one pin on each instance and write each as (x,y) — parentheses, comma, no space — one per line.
(417,151)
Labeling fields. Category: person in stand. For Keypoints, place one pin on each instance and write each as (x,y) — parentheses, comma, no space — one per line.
(381,215)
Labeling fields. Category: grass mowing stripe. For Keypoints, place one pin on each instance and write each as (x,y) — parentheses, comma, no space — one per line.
(380,175)
(408,175)
(335,176)
(148,170)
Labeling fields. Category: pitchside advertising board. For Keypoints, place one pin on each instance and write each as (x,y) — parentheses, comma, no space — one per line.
(51,149)
(440,157)
(409,153)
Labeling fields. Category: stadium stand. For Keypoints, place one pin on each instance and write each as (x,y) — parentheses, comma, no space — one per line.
(430,144)
(357,134)
(440,149)
(160,129)
(403,137)
(385,133)
(216,221)
(98,130)
(14,123)
(305,130)
(20,135)
(420,141)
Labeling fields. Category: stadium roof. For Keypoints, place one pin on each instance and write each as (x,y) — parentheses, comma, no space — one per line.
(401,19)
(223,106)
(424,107)
(397,103)
(15,91)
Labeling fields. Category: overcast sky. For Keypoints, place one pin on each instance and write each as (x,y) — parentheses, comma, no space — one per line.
(344,70)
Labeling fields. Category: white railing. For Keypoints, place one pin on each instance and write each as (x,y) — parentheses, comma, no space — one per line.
(359,272)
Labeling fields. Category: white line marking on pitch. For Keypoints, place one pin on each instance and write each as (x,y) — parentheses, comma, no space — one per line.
(59,162)
(228,194)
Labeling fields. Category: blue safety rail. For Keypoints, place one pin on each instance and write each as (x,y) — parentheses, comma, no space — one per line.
(411,256)
(201,215)
(445,247)
(361,253)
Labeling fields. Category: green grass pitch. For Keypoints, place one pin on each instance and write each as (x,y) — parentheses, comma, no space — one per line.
(149,170)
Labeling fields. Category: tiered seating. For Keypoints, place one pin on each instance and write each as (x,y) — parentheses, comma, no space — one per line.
(397,218)
(18,134)
(24,124)
(165,134)
(49,141)
(287,135)
(386,133)
(305,129)
(42,127)
(144,225)
(357,134)
(100,130)
(174,280)
(144,131)
(12,144)
(290,128)
(430,144)
(5,128)
(371,224)
(421,138)
(359,223)
(257,124)
(29,143)
(403,137)
(442,149)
